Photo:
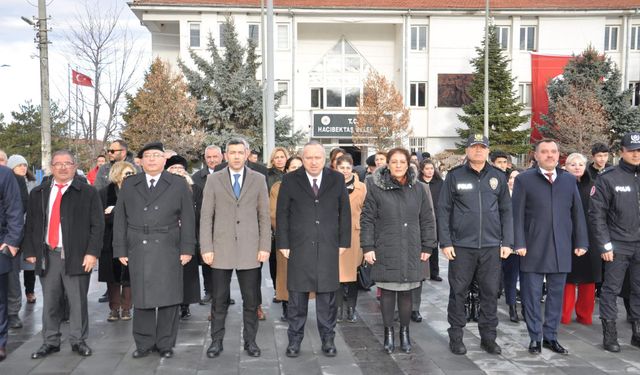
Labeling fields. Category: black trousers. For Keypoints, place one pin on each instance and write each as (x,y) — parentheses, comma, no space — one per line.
(612,284)
(4,316)
(206,276)
(485,264)
(157,327)
(249,281)
(434,267)
(326,312)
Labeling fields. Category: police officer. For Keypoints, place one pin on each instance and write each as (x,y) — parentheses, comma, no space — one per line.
(615,213)
(475,227)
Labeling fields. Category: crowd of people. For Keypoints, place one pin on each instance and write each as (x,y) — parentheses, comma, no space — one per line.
(565,235)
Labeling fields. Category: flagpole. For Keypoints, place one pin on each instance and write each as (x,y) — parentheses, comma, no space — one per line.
(69,101)
(77,135)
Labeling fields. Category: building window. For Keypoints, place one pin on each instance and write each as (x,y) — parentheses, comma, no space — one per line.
(528,38)
(283,86)
(611,38)
(635,38)
(254,33)
(317,98)
(524,92)
(418,38)
(418,94)
(283,36)
(503,37)
(223,31)
(194,35)
(351,96)
(635,93)
(418,144)
(334,97)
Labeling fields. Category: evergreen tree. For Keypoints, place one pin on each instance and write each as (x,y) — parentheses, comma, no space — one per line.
(594,73)
(504,106)
(229,95)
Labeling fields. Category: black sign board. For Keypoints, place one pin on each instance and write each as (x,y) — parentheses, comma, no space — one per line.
(333,125)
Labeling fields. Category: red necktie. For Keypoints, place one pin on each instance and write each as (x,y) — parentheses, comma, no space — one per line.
(54,220)
(549,177)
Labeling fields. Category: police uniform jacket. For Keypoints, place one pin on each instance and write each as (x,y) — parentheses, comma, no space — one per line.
(313,228)
(153,229)
(474,209)
(615,208)
(548,221)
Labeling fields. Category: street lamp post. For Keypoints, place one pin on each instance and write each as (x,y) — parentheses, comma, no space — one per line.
(486,69)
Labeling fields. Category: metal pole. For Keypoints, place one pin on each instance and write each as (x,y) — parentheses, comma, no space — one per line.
(269,100)
(44,86)
(486,69)
(263,78)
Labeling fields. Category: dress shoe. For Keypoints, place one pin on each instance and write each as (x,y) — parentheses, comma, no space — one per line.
(389,340)
(339,315)
(490,346)
(416,317)
(285,308)
(81,348)
(351,315)
(555,346)
(103,298)
(252,349)
(167,353)
(261,314)
(534,347)
(31,298)
(206,299)
(329,348)
(405,340)
(44,351)
(232,301)
(15,322)
(3,354)
(436,278)
(293,350)
(140,353)
(214,349)
(513,314)
(457,346)
(126,315)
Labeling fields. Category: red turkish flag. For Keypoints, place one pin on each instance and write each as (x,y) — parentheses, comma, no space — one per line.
(80,79)
(544,68)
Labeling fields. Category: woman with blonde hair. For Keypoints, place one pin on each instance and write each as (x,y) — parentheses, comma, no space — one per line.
(277,162)
(111,271)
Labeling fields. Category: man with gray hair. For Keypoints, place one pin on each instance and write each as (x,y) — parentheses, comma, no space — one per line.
(3,158)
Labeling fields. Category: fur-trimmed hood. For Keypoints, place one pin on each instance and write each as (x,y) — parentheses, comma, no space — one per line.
(382,178)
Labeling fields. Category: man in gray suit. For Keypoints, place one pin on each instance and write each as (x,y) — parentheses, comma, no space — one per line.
(235,233)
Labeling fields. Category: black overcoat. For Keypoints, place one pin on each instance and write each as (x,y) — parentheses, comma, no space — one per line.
(313,228)
(110,270)
(153,229)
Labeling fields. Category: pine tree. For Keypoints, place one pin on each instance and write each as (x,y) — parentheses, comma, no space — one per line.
(229,95)
(504,106)
(593,73)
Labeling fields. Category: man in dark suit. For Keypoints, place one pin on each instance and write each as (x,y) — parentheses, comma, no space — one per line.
(63,237)
(313,227)
(154,233)
(11,223)
(212,158)
(549,224)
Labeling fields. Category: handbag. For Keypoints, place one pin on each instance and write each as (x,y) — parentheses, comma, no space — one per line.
(364,276)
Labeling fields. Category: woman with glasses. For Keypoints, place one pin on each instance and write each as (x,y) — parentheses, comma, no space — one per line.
(111,271)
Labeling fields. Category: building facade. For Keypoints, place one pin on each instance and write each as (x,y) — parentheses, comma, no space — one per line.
(324,50)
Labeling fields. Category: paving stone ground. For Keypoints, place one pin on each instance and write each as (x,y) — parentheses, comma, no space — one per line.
(359,344)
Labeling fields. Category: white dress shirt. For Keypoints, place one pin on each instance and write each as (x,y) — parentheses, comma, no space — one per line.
(155,179)
(544,173)
(317,178)
(52,198)
(233,179)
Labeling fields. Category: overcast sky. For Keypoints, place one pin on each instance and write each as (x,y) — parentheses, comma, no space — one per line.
(20,81)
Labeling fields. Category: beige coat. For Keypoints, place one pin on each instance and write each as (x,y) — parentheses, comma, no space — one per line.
(235,229)
(352,257)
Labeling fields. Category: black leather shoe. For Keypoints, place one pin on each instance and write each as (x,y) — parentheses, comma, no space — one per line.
(44,351)
(329,348)
(339,315)
(555,346)
(513,314)
(140,353)
(214,349)
(534,347)
(168,353)
(436,278)
(293,350)
(389,340)
(81,348)
(490,346)
(3,354)
(416,317)
(405,340)
(103,298)
(252,349)
(457,347)
(232,301)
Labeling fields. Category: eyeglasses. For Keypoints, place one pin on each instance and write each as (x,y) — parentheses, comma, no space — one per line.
(114,150)
(127,174)
(154,155)
(63,165)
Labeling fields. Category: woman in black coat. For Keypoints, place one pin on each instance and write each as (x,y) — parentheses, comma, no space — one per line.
(111,271)
(586,271)
(398,233)
(277,162)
